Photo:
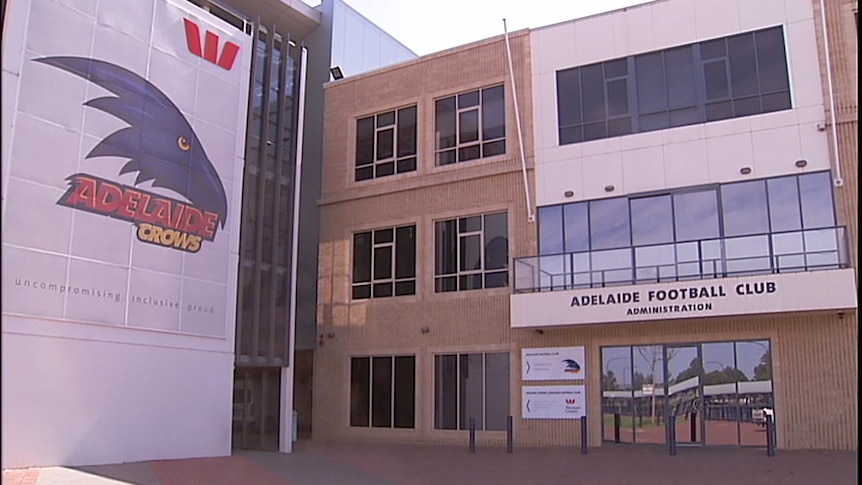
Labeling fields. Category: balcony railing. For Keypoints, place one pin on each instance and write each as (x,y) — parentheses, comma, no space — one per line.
(769,253)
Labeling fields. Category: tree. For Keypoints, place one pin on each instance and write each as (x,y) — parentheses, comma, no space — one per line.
(653,355)
(695,368)
(727,375)
(763,370)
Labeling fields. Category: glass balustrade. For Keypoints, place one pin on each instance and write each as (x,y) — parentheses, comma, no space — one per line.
(769,253)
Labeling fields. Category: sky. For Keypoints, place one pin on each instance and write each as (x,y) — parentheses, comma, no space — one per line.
(427,26)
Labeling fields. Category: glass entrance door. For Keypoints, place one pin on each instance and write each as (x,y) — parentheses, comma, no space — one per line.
(683,392)
(709,393)
(256,408)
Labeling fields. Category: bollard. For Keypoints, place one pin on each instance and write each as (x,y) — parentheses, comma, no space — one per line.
(616,427)
(583,435)
(693,432)
(472,435)
(770,437)
(509,444)
(672,436)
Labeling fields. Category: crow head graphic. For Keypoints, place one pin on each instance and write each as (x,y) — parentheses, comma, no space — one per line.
(571,365)
(159,142)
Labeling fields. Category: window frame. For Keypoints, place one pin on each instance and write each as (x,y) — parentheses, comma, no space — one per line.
(482,424)
(487,147)
(723,252)
(460,236)
(773,90)
(400,160)
(393,394)
(393,279)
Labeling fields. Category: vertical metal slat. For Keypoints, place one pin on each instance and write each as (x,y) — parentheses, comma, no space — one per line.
(264,117)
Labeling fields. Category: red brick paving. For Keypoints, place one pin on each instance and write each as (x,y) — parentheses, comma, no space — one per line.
(376,464)
(610,465)
(212,471)
(22,476)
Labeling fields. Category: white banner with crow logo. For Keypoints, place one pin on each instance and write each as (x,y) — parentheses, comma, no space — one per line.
(122,166)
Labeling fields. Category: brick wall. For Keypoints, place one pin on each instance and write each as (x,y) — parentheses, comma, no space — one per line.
(814,355)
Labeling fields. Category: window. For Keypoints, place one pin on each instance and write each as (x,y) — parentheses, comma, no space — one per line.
(742,75)
(471,386)
(767,225)
(382,391)
(384,262)
(602,106)
(472,253)
(733,382)
(386,144)
(470,125)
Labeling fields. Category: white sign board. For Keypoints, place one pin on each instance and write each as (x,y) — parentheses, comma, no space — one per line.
(790,292)
(553,402)
(553,364)
(122,188)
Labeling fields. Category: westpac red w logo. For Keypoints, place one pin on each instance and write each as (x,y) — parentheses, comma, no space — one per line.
(570,401)
(210,46)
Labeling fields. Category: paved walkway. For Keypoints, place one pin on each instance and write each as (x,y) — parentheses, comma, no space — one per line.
(316,463)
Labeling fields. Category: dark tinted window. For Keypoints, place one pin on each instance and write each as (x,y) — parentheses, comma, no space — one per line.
(471,386)
(386,144)
(360,391)
(382,391)
(742,75)
(472,253)
(470,125)
(384,263)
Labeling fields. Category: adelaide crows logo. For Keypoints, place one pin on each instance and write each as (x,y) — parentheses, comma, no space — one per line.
(161,147)
(571,366)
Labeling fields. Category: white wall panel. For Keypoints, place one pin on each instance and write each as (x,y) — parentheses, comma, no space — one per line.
(674,23)
(776,119)
(686,163)
(686,157)
(359,46)
(600,171)
(593,40)
(546,131)
(114,349)
(570,177)
(806,87)
(727,127)
(599,147)
(760,13)
(80,402)
(796,10)
(553,48)
(643,169)
(775,150)
(641,140)
(715,18)
(635,32)
(814,146)
(727,154)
